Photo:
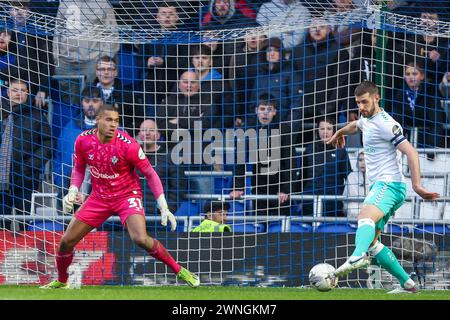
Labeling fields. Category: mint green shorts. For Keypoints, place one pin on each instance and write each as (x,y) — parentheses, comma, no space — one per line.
(388,197)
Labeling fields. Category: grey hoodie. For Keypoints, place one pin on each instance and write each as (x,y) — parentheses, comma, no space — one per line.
(75,21)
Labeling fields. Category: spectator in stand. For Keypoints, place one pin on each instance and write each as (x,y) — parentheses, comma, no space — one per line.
(212,85)
(8,61)
(356,185)
(431,51)
(319,60)
(215,218)
(275,77)
(184,108)
(210,78)
(346,33)
(416,106)
(165,59)
(270,172)
(91,102)
(444,86)
(282,13)
(222,14)
(243,62)
(130,106)
(47,7)
(26,145)
(142,15)
(73,53)
(32,48)
(362,68)
(171,175)
(324,170)
(220,59)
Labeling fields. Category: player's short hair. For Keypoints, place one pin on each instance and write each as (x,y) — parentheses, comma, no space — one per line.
(366,87)
(106,107)
(213,206)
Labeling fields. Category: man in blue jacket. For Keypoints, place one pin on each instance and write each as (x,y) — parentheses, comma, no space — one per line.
(62,163)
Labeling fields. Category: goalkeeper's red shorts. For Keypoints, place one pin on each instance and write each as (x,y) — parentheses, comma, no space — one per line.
(95,211)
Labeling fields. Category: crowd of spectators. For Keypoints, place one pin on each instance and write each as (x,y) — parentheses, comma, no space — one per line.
(297,86)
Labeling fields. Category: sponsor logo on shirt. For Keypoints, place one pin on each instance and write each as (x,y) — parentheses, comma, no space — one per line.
(369,150)
(96,174)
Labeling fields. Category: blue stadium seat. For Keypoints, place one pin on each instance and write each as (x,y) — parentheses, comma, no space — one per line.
(248,227)
(430,228)
(223,184)
(300,227)
(42,225)
(188,208)
(395,228)
(129,69)
(236,208)
(274,227)
(336,227)
(296,208)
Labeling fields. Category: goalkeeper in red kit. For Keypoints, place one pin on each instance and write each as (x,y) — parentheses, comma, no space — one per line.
(112,156)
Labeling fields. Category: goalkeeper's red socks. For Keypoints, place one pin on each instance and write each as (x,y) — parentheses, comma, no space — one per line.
(63,261)
(160,253)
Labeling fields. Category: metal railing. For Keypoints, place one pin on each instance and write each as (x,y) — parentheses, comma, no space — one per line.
(189,222)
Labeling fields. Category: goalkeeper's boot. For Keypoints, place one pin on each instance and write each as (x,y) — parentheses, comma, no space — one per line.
(353,263)
(191,279)
(55,284)
(408,287)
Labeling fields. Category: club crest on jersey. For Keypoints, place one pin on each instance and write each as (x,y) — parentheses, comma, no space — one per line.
(91,157)
(141,154)
(114,160)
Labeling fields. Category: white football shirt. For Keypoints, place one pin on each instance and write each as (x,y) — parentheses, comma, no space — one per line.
(381,135)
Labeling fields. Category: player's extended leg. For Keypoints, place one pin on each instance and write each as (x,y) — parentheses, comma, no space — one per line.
(138,233)
(387,259)
(365,235)
(76,231)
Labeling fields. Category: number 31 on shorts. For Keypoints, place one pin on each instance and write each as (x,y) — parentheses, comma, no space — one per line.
(135,203)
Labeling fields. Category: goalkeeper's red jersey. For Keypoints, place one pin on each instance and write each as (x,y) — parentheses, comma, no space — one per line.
(112,166)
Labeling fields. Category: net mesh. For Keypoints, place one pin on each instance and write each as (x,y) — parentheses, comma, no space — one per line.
(244,91)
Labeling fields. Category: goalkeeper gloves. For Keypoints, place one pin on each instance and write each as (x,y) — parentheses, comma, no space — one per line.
(70,199)
(165,213)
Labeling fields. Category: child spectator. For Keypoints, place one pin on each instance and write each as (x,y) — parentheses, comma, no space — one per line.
(324,170)
(356,185)
(415,106)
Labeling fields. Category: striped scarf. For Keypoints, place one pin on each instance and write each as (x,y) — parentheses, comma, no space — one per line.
(6,153)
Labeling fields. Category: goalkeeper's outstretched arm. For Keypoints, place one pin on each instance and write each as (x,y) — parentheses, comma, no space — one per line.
(338,139)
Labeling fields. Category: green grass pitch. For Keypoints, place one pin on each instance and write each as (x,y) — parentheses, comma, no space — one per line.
(8,292)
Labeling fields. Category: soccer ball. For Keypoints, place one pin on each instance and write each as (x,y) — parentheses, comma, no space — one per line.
(322,277)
